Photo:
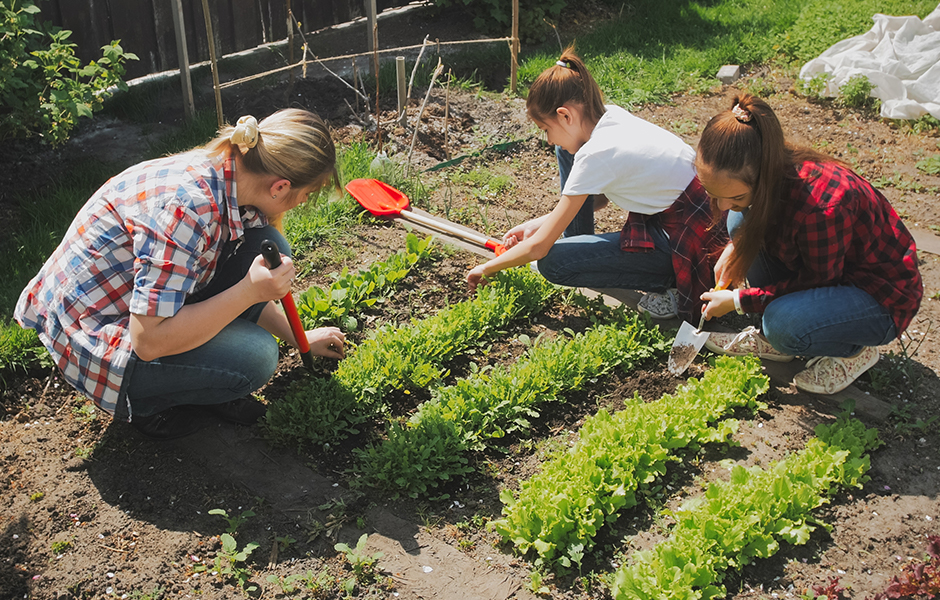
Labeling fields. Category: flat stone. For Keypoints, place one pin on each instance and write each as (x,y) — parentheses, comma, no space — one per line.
(729,74)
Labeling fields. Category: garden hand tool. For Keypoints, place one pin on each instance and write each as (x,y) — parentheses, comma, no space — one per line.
(689,341)
(382,200)
(272,257)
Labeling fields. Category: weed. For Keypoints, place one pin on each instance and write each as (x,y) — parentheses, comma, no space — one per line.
(61,546)
(814,89)
(36,496)
(930,166)
(760,87)
(856,92)
(84,413)
(157,593)
(234,522)
(284,542)
(684,127)
(362,563)
(230,562)
(84,453)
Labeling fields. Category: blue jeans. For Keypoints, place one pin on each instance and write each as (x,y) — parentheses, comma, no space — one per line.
(837,320)
(239,360)
(585,259)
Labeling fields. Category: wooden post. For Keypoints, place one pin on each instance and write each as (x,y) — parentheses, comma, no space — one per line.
(215,64)
(514,48)
(371,30)
(400,73)
(189,107)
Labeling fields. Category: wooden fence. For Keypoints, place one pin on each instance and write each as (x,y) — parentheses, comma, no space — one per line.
(145,27)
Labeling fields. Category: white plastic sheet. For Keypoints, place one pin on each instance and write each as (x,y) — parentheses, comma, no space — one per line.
(900,56)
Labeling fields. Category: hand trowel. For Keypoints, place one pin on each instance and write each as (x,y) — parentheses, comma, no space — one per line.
(685,348)
(689,341)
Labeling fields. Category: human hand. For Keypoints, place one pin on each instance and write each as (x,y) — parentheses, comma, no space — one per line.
(476,278)
(327,341)
(521,232)
(719,303)
(269,284)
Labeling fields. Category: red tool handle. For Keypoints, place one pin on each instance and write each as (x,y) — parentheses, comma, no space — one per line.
(496,247)
(272,257)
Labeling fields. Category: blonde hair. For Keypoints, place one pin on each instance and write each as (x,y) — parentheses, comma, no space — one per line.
(292,144)
(568,82)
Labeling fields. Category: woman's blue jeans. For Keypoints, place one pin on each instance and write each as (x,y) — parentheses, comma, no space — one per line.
(237,361)
(585,259)
(825,321)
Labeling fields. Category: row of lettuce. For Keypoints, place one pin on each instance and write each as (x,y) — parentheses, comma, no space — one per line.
(556,515)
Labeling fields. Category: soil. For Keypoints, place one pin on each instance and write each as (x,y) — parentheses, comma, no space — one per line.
(91,509)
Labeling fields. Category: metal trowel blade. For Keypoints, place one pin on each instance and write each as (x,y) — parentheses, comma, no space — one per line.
(685,348)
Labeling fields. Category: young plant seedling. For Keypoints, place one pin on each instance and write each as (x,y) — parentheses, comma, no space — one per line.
(362,564)
(234,522)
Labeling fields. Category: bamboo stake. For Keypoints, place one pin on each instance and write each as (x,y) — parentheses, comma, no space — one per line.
(415,69)
(450,76)
(414,138)
(514,66)
(215,64)
(290,45)
(179,27)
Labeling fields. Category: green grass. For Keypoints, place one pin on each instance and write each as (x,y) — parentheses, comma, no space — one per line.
(672,46)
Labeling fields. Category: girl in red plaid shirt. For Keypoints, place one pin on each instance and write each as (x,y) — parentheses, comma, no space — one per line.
(815,249)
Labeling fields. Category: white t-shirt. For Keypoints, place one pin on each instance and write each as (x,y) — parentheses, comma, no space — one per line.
(639,166)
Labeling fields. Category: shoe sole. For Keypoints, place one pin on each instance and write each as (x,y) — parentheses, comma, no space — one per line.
(781,358)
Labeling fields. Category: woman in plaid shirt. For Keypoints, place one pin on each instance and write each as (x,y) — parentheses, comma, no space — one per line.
(157,303)
(814,248)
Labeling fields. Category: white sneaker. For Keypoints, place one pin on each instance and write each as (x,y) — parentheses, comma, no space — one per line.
(749,341)
(831,374)
(659,306)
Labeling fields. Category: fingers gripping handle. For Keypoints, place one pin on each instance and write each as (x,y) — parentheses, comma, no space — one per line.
(272,257)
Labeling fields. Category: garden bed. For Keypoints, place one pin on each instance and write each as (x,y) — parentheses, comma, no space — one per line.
(94,510)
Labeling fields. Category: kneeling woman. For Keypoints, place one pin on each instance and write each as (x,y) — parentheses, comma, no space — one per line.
(814,247)
(157,303)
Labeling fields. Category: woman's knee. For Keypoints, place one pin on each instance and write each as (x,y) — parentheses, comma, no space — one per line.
(778,326)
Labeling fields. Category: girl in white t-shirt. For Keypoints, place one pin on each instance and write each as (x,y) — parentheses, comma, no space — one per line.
(607,155)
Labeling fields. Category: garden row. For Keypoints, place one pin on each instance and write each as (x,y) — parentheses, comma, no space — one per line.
(618,458)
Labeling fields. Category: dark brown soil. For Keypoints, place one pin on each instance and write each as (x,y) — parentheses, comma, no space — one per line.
(93,510)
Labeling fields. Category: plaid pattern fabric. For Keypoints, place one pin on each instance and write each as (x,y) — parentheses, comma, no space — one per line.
(839,230)
(146,240)
(694,242)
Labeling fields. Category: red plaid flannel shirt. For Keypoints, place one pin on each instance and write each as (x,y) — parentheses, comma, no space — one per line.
(839,230)
(694,242)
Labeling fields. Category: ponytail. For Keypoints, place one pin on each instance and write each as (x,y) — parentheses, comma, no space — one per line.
(567,82)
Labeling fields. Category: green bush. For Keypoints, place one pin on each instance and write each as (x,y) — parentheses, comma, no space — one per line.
(44,88)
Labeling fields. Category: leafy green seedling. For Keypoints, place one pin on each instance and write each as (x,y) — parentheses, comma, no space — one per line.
(363,564)
(234,522)
(60,546)
(229,562)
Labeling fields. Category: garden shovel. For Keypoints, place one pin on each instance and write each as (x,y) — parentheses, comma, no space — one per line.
(272,257)
(685,348)
(382,200)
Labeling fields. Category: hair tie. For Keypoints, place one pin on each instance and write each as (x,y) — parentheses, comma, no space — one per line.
(740,114)
(246,132)
(562,63)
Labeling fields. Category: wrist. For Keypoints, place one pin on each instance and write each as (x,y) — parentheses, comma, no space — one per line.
(737,302)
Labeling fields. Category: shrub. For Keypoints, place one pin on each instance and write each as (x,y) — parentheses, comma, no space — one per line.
(44,88)
(495,16)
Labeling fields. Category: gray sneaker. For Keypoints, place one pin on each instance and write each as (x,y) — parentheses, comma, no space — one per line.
(659,306)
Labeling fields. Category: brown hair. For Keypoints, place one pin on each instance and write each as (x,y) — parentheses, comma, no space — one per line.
(560,85)
(747,142)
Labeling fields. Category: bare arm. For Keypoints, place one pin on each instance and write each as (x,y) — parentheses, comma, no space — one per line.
(195,324)
(535,246)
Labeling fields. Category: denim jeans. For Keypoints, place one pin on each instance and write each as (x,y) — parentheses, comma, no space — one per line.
(237,361)
(837,320)
(585,259)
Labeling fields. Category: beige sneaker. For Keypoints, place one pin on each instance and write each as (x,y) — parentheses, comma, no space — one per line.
(830,374)
(749,341)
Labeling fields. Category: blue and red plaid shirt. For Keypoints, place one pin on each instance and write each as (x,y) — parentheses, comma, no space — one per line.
(694,241)
(146,240)
(839,230)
